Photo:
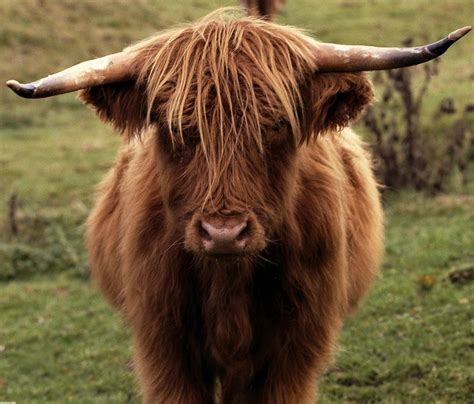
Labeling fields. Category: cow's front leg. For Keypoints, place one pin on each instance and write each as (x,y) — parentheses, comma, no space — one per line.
(292,376)
(170,368)
(290,386)
(292,367)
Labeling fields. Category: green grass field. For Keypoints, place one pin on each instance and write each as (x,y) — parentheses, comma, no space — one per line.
(413,339)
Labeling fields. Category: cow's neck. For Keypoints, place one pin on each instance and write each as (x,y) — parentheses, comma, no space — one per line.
(239,300)
(226,304)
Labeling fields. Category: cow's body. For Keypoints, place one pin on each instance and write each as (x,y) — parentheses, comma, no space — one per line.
(265,330)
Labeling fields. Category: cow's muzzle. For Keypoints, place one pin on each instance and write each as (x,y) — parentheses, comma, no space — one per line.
(225,234)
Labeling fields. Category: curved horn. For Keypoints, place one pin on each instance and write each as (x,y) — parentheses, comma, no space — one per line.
(107,69)
(348,58)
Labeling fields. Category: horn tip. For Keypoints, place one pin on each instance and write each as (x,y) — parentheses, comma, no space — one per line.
(459,33)
(438,48)
(23,90)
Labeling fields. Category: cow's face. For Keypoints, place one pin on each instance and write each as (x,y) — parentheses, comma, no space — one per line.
(230,105)
(231,200)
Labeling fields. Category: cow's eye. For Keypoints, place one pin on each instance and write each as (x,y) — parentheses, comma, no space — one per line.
(280,124)
(192,139)
(179,153)
(179,149)
(277,134)
(183,153)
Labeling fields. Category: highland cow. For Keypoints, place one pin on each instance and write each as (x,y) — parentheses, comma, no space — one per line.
(241,223)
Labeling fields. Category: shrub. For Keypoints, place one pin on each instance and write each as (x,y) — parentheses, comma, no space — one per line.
(409,152)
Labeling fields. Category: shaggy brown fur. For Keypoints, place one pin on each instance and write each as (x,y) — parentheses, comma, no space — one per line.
(227,118)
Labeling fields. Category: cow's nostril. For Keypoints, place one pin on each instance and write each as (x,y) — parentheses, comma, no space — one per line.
(244,233)
(203,233)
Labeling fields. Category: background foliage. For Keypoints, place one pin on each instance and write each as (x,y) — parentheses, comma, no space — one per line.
(59,342)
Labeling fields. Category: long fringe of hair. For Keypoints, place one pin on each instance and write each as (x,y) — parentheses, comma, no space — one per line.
(223,79)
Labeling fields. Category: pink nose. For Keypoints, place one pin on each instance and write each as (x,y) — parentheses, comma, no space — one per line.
(229,237)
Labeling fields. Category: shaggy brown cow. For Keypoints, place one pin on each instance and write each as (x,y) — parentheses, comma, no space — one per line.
(238,226)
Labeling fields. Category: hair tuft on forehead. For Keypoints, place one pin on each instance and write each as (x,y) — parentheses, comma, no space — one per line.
(225,74)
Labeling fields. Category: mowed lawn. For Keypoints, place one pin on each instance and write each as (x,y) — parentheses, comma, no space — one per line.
(412,340)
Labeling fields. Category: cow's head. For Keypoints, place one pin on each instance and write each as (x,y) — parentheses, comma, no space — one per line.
(228,103)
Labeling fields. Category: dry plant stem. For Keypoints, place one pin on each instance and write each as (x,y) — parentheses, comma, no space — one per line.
(12,210)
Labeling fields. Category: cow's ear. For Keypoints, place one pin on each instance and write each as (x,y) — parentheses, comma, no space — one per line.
(337,99)
(121,104)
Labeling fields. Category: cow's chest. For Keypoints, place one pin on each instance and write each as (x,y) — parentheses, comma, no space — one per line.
(241,318)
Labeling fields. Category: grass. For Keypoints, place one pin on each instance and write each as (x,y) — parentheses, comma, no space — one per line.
(59,342)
